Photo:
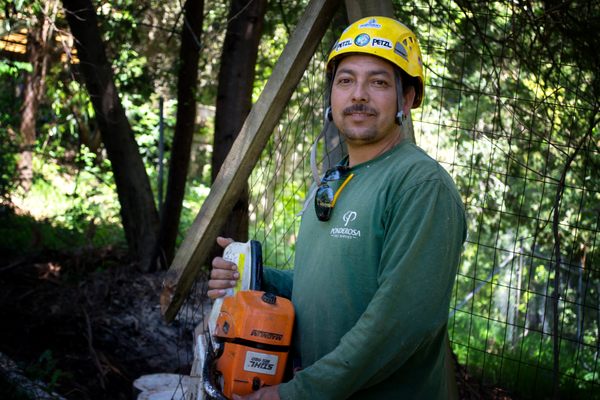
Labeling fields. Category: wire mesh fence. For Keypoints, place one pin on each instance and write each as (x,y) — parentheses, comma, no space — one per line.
(511,111)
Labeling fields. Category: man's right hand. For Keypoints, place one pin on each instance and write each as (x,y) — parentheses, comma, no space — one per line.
(224,274)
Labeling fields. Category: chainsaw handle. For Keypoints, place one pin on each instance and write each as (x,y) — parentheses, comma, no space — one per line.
(256,266)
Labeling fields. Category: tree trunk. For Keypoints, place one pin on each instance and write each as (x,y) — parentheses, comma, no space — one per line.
(138,212)
(358,9)
(234,95)
(187,83)
(38,56)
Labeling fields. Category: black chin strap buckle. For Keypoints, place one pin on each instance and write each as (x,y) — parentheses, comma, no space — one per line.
(328,114)
(400,117)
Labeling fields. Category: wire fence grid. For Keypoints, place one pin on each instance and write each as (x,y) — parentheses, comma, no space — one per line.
(518,132)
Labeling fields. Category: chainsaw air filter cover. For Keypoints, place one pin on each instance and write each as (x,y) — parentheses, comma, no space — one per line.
(256,328)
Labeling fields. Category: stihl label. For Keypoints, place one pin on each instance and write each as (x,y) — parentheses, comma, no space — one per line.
(261,363)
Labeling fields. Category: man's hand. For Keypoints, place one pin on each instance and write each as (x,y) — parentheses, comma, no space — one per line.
(223,275)
(266,393)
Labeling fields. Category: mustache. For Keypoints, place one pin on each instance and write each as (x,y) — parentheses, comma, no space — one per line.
(359,108)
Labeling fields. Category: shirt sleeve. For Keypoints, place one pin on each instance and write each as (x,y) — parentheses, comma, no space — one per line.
(278,282)
(424,232)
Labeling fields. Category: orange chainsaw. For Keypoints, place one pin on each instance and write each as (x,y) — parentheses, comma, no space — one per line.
(250,332)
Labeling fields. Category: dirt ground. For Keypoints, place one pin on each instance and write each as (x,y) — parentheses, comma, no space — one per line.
(88,323)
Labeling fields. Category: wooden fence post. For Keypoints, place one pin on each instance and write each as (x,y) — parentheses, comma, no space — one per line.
(244,153)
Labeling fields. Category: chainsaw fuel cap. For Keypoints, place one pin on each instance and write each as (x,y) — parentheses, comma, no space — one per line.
(269,298)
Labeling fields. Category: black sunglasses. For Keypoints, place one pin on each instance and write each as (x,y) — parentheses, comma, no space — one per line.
(325,198)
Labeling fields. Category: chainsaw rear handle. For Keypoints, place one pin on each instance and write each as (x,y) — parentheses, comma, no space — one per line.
(256,266)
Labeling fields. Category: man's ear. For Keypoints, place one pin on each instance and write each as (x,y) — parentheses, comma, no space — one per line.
(409,99)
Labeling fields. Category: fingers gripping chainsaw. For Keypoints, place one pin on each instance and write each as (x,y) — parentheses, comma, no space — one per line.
(249,331)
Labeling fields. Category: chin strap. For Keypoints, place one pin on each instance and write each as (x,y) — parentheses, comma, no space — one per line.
(328,112)
(328,118)
(313,164)
(313,153)
(400,117)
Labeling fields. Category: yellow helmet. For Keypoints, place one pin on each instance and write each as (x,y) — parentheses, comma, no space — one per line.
(386,38)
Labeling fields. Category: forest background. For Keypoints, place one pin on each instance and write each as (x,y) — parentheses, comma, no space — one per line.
(111,134)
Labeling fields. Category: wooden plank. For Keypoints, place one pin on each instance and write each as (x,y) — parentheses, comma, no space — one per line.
(244,154)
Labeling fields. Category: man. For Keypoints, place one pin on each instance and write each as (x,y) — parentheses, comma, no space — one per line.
(376,259)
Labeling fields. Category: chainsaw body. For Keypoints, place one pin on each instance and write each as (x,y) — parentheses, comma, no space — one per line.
(250,332)
(256,330)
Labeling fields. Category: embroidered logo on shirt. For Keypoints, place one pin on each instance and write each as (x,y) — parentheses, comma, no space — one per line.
(349,216)
(346,232)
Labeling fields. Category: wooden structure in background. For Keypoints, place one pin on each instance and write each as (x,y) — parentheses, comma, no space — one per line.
(246,150)
(13,46)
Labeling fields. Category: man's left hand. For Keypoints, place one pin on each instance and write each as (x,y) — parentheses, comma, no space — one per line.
(266,393)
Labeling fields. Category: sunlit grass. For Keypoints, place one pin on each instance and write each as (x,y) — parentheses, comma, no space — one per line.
(63,208)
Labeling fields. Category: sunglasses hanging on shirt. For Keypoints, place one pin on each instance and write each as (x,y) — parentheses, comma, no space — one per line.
(325,197)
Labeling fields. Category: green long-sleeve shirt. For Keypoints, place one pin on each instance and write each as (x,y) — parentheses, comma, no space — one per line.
(372,286)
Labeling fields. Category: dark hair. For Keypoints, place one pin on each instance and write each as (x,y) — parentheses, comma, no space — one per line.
(409,81)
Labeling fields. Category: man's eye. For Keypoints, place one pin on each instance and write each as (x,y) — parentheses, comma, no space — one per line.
(380,83)
(343,81)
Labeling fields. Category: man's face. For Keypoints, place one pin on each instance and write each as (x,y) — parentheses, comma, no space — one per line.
(363,100)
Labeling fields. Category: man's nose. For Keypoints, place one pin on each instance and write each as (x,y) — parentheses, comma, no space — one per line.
(360,93)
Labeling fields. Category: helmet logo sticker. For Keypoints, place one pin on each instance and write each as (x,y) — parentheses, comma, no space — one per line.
(344,43)
(372,23)
(383,43)
(362,40)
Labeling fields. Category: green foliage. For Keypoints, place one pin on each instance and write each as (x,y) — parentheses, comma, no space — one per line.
(46,370)
(67,209)
(512,94)
(14,11)
(119,22)
(73,194)
(26,234)
(504,112)
(9,73)
(195,193)
(519,359)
